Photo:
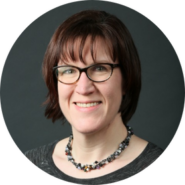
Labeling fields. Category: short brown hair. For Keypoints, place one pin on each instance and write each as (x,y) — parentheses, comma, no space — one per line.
(122,48)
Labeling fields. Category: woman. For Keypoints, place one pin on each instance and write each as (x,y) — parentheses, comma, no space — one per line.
(92,71)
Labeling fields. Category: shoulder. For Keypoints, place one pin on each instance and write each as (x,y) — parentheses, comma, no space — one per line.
(41,155)
(152,151)
(140,154)
(148,156)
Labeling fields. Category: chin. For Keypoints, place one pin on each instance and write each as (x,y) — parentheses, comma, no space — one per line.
(85,128)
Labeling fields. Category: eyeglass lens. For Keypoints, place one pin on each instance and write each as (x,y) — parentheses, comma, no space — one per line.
(70,74)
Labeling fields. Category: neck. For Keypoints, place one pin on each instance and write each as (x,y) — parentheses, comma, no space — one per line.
(87,148)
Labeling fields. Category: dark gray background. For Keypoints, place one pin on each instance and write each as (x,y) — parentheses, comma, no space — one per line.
(23,90)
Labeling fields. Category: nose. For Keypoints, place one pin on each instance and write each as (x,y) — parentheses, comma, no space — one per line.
(84,86)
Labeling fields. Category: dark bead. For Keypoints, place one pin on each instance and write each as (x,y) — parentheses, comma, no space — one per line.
(71,136)
(121,145)
(100,164)
(103,164)
(109,159)
(67,149)
(68,145)
(116,153)
(96,162)
(69,157)
(120,149)
(112,157)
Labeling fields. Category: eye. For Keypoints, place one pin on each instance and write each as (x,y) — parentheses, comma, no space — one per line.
(99,68)
(68,71)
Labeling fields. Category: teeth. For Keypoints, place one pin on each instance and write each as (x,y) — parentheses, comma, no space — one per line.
(87,104)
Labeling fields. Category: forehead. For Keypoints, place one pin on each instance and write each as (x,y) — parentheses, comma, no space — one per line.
(80,49)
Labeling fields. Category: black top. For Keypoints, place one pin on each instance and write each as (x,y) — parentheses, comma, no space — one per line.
(42,157)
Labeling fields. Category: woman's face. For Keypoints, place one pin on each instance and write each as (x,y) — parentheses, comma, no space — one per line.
(105,96)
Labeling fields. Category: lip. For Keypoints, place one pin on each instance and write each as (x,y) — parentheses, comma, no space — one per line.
(86,101)
(87,109)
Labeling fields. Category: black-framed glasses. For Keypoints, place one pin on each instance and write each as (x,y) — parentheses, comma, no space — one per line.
(97,72)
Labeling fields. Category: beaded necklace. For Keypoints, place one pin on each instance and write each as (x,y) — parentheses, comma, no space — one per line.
(96,164)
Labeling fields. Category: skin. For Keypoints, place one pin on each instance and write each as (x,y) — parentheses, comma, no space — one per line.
(98,131)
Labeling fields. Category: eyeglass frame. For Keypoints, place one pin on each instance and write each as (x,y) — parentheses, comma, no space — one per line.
(85,70)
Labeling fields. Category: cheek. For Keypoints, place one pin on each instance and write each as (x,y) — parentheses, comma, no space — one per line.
(117,89)
(64,93)
(113,92)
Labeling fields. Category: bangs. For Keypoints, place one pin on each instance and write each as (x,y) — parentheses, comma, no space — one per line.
(73,42)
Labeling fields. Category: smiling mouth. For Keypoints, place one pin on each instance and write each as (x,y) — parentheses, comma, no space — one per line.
(92,104)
